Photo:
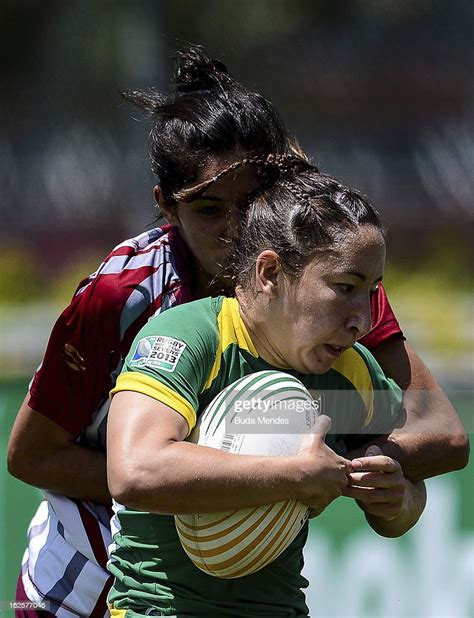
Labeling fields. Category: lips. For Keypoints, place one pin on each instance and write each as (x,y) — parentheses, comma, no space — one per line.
(334,350)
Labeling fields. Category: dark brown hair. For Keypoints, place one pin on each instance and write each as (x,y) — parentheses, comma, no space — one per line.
(208,115)
(298,215)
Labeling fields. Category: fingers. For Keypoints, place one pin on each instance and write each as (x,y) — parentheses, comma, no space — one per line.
(377,463)
(370,495)
(375,479)
(377,483)
(318,502)
(384,503)
(347,467)
(322,426)
(317,439)
(384,510)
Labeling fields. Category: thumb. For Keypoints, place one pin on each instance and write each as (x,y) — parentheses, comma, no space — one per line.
(373,450)
(322,425)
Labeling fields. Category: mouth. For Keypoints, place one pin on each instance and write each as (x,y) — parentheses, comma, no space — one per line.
(334,350)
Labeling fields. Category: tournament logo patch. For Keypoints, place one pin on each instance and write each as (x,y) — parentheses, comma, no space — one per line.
(158,352)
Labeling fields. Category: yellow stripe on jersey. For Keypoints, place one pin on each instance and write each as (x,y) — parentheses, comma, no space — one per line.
(352,366)
(231,330)
(141,383)
(243,337)
(117,613)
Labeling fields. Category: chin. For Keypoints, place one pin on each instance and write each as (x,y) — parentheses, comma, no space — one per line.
(317,367)
(320,370)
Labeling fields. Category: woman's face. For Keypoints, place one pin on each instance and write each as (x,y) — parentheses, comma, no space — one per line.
(207,223)
(314,318)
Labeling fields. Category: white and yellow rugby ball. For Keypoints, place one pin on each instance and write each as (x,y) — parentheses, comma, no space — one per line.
(236,543)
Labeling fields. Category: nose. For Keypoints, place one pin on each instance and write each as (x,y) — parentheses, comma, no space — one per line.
(229,224)
(359,321)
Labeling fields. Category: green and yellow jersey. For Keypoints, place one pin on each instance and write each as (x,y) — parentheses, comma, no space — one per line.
(184,358)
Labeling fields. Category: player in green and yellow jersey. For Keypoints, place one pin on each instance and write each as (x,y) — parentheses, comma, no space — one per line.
(309,255)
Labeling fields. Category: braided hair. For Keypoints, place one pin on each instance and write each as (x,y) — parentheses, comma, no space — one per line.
(298,215)
(268,169)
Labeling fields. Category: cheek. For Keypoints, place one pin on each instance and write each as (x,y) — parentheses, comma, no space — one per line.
(323,318)
(201,238)
(218,241)
(210,245)
(212,229)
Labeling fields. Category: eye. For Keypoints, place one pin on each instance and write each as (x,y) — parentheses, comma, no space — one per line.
(210,211)
(346,288)
(374,289)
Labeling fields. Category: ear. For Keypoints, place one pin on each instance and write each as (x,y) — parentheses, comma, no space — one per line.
(267,271)
(169,212)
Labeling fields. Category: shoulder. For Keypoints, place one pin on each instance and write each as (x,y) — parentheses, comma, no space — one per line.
(188,333)
(190,321)
(172,355)
(358,370)
(133,258)
(385,325)
(379,393)
(130,270)
(357,365)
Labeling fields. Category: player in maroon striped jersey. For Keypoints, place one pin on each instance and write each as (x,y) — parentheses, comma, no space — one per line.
(58,439)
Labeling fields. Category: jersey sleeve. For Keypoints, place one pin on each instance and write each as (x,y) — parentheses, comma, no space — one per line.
(384,402)
(172,357)
(385,325)
(82,351)
(91,337)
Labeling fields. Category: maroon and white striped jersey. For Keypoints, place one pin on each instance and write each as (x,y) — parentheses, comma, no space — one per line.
(65,562)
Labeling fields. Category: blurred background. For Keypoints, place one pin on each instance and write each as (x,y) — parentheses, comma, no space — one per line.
(379,93)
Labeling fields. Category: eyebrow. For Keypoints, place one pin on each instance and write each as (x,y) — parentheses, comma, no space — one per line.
(207,198)
(362,277)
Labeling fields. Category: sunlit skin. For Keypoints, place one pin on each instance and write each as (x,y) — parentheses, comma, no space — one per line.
(306,323)
(206,224)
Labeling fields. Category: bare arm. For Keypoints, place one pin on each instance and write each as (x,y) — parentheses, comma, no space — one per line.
(43,454)
(432,439)
(151,468)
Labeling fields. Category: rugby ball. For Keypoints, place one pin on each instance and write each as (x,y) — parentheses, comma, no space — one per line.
(265,413)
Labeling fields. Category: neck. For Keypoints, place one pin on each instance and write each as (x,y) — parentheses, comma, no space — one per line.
(255,319)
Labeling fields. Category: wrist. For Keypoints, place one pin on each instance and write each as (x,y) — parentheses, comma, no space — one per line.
(414,502)
(291,474)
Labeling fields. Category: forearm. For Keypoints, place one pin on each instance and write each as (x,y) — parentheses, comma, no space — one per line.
(413,506)
(74,471)
(44,455)
(431,440)
(188,478)
(151,467)
(423,446)
(421,453)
